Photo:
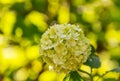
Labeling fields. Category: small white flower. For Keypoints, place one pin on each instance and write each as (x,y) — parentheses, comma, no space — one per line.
(64,47)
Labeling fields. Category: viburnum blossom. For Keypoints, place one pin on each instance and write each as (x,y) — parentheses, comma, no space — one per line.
(64,47)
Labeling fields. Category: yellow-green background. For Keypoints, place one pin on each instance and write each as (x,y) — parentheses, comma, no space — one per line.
(22,22)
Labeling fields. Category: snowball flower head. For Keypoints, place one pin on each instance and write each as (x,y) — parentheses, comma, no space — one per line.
(64,47)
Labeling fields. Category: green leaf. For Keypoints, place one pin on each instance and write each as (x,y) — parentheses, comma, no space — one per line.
(92,50)
(73,76)
(115,70)
(93,61)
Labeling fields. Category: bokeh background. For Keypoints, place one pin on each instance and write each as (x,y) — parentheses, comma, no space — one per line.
(22,22)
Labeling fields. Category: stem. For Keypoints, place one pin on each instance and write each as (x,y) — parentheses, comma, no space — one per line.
(85,72)
(103,75)
(91,74)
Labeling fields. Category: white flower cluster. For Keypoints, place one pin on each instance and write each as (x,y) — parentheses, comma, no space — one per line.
(64,47)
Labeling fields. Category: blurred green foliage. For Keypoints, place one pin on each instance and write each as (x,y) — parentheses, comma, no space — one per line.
(22,22)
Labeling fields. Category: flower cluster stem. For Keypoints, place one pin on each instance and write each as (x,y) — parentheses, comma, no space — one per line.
(89,74)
